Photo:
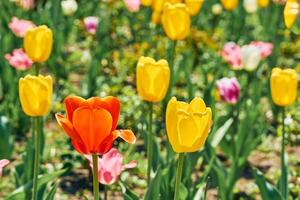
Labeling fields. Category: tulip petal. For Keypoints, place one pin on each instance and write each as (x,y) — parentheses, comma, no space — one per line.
(127,135)
(71,104)
(68,127)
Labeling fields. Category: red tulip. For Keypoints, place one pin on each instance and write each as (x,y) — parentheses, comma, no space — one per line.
(91,124)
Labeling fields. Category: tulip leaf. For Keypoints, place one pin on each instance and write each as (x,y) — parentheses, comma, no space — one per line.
(220,133)
(267,190)
(52,192)
(128,194)
(154,188)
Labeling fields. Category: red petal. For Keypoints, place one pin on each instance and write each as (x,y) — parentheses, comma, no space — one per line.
(67,126)
(71,104)
(127,135)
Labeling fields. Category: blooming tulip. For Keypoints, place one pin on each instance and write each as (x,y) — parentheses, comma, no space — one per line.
(91,24)
(91,124)
(250,55)
(232,54)
(250,6)
(230,4)
(176,21)
(38,43)
(284,86)
(19,59)
(229,89)
(152,79)
(187,124)
(3,163)
(35,94)
(263,3)
(291,12)
(194,6)
(110,166)
(20,26)
(69,7)
(132,5)
(265,48)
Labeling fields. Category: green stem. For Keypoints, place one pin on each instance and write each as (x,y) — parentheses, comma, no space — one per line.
(150,143)
(36,69)
(105,192)
(37,124)
(95,177)
(172,69)
(284,181)
(178,175)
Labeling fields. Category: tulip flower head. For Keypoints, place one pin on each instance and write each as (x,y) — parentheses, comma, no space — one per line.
(110,166)
(132,5)
(230,4)
(27,4)
(266,48)
(20,26)
(146,2)
(229,89)
(91,24)
(152,79)
(19,59)
(263,3)
(187,124)
(38,43)
(69,7)
(284,86)
(91,124)
(35,94)
(291,12)
(250,6)
(232,54)
(176,21)
(3,163)
(194,6)
(251,57)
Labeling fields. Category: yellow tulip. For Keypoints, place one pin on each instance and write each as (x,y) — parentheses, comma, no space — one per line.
(155,18)
(152,79)
(187,124)
(146,2)
(230,4)
(38,43)
(176,21)
(263,3)
(194,6)
(284,86)
(291,11)
(35,94)
(157,5)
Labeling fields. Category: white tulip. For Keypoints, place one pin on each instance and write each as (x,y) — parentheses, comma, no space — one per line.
(250,56)
(69,7)
(250,6)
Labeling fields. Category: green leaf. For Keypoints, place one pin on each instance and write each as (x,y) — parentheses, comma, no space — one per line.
(20,192)
(52,192)
(183,192)
(267,191)
(220,133)
(154,188)
(128,194)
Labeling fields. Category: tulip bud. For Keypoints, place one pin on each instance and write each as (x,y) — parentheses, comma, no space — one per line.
(176,21)
(152,79)
(284,86)
(250,6)
(230,4)
(187,124)
(69,7)
(194,6)
(38,43)
(263,3)
(291,12)
(229,89)
(35,94)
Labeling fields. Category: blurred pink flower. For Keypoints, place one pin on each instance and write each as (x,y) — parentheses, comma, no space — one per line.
(20,26)
(110,166)
(133,5)
(229,89)
(265,48)
(232,54)
(27,4)
(19,59)
(3,163)
(91,24)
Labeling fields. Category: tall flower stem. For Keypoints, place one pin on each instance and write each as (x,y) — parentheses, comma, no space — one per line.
(95,177)
(172,69)
(37,124)
(150,143)
(284,178)
(178,175)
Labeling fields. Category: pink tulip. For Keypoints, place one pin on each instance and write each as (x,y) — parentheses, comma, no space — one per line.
(91,24)
(19,59)
(27,4)
(3,163)
(265,48)
(232,54)
(133,5)
(20,26)
(229,89)
(110,166)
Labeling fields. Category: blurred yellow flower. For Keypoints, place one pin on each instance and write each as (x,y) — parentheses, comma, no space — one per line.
(291,11)
(176,21)
(194,6)
(146,2)
(263,3)
(38,43)
(284,86)
(152,79)
(230,4)
(187,124)
(155,18)
(35,94)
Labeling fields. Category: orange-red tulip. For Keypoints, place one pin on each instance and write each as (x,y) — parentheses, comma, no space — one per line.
(91,124)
